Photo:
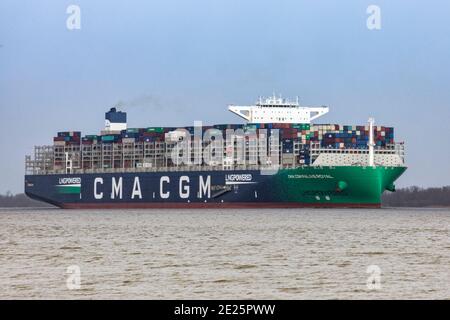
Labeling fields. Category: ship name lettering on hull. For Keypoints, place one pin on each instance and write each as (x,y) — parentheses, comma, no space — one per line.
(184,188)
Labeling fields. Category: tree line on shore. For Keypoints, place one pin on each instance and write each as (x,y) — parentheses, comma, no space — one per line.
(20,201)
(418,197)
(406,197)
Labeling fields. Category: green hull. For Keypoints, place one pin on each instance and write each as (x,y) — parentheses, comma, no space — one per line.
(335,186)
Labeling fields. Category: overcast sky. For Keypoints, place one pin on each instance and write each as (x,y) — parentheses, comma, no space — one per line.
(173,62)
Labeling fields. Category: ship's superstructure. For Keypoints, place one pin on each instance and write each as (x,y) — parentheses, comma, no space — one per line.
(278,158)
(115,120)
(278,110)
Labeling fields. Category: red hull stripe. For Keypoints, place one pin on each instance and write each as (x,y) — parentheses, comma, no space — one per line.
(211,205)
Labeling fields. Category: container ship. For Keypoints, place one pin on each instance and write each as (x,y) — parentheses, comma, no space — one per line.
(277,158)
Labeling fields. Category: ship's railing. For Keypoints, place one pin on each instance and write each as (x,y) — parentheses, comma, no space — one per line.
(390,149)
(101,159)
(142,170)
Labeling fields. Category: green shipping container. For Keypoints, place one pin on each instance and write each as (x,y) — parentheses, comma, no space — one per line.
(133,130)
(108,138)
(155,129)
(301,126)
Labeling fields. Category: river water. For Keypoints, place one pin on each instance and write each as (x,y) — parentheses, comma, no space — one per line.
(225,254)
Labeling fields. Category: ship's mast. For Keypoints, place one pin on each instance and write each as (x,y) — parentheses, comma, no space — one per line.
(371,143)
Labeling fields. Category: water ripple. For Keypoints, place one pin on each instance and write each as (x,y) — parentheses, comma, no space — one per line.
(214,254)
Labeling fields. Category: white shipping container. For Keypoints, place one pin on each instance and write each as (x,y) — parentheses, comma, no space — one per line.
(128,140)
(108,132)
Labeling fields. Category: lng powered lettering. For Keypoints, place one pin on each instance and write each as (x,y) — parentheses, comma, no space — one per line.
(238,177)
(63,181)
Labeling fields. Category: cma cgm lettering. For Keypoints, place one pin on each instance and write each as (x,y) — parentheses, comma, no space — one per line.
(136,190)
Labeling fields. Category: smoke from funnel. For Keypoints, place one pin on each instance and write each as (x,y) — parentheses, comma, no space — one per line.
(145,101)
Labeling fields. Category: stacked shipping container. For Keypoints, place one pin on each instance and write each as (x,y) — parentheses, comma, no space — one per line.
(295,138)
(67,138)
(340,137)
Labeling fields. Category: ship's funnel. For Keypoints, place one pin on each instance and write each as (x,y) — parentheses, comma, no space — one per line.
(115,120)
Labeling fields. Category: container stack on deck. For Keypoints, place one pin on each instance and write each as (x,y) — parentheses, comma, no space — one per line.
(354,137)
(91,139)
(295,139)
(67,138)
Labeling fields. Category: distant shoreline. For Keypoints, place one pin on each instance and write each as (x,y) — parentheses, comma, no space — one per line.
(28,208)
(425,207)
(411,197)
(21,200)
(382,207)
(418,197)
